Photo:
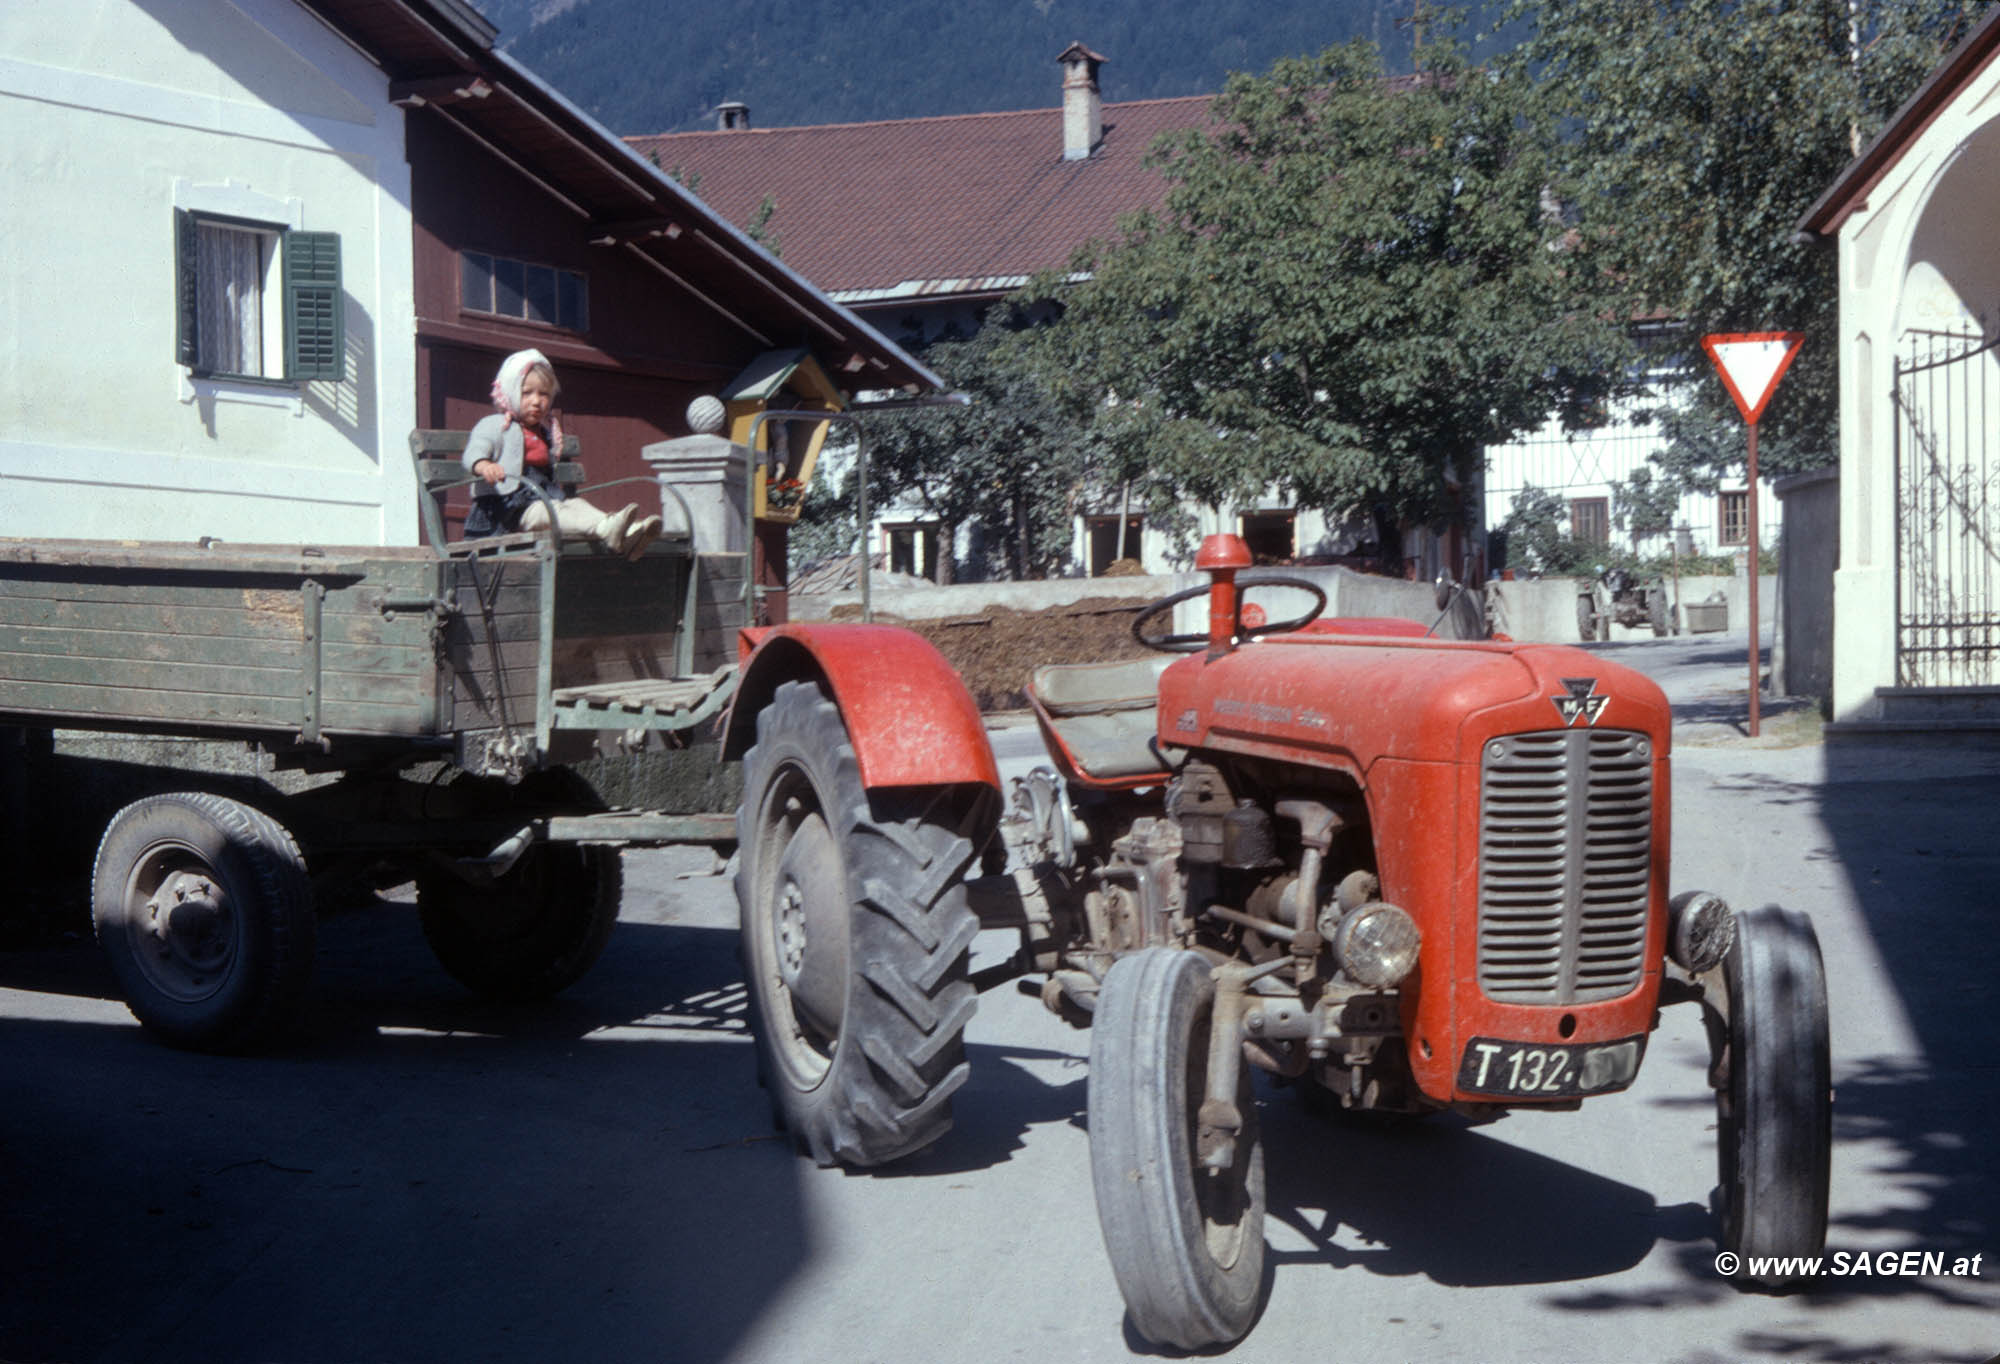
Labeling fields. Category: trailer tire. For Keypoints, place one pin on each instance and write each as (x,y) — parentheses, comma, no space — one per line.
(1774,1129)
(1186,1246)
(204,910)
(531,934)
(855,939)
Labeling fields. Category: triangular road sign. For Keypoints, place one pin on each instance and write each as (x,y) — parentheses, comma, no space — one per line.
(1751,363)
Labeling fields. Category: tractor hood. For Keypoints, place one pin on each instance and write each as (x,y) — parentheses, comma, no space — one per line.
(1342,701)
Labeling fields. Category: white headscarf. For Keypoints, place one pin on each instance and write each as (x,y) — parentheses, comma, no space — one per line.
(507,391)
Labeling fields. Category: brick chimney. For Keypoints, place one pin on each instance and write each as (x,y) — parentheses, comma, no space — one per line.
(732,116)
(1083,105)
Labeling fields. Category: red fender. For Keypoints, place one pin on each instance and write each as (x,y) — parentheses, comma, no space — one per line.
(908,714)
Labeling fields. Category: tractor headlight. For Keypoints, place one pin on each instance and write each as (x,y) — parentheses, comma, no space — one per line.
(1376,944)
(1700,930)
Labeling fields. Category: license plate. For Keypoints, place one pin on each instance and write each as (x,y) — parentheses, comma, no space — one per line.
(1545,1071)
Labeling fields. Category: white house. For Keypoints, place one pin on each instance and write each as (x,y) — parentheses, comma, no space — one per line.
(207,303)
(1917,590)
(1581,468)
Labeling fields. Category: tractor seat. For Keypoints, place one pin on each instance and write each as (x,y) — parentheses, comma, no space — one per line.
(1105,716)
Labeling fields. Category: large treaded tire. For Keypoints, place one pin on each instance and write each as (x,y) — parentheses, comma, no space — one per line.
(1774,1130)
(855,939)
(1186,1245)
(535,931)
(204,910)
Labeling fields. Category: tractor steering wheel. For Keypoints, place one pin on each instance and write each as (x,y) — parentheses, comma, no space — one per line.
(1187,644)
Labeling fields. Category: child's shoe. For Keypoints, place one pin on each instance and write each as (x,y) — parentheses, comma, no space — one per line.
(643,532)
(613,530)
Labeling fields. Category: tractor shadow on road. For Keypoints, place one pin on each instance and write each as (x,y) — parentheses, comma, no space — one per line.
(1441,1199)
(419,1176)
(1913,832)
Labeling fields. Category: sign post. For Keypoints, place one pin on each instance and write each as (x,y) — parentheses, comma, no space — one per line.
(1751,363)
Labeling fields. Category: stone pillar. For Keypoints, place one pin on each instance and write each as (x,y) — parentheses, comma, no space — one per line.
(712,473)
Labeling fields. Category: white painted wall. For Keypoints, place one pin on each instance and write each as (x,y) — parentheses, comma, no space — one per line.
(1584,464)
(112,114)
(1918,254)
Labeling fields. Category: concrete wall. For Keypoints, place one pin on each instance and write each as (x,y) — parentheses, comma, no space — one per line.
(1540,611)
(1347,594)
(1544,609)
(1802,649)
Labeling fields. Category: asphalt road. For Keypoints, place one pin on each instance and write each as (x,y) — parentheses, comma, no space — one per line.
(427,1178)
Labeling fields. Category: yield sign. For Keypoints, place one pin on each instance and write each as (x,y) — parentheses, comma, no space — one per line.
(1751,363)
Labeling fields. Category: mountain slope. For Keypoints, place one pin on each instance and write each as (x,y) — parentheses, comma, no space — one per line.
(663,65)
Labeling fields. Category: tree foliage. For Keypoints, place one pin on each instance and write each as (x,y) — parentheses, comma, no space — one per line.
(1012,462)
(1353,287)
(1695,135)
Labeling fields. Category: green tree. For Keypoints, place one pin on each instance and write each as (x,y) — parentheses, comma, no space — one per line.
(1643,505)
(1538,538)
(1695,135)
(1012,460)
(1354,286)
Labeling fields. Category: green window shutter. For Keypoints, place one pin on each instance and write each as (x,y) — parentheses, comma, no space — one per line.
(314,341)
(187,293)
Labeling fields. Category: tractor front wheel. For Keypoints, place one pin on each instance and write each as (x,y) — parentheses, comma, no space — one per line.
(1775,1098)
(1186,1242)
(855,936)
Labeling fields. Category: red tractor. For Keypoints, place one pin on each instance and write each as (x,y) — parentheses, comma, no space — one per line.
(1402,874)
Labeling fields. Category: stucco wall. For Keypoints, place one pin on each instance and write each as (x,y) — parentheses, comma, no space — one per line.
(253,109)
(1916,255)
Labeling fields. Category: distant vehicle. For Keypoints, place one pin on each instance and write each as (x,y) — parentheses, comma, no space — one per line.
(1614,596)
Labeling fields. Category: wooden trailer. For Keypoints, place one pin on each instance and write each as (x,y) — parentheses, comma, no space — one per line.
(495,714)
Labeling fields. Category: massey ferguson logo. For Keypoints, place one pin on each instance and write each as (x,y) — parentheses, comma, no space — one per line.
(1579,701)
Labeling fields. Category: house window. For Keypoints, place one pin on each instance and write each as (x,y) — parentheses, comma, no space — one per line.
(1269,534)
(913,548)
(257,301)
(1590,519)
(1735,512)
(533,293)
(1108,546)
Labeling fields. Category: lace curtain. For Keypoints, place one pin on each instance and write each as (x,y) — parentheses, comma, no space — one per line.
(231,272)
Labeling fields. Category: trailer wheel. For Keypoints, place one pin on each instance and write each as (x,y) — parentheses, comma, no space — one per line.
(1774,1134)
(204,910)
(1186,1243)
(855,935)
(534,931)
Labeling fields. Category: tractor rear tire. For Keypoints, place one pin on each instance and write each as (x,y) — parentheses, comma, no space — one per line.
(1774,1130)
(531,934)
(204,911)
(1656,612)
(1186,1243)
(855,939)
(1586,617)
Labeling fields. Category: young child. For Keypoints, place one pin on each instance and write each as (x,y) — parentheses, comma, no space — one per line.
(518,446)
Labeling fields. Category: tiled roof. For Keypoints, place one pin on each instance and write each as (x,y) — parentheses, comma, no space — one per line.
(965,204)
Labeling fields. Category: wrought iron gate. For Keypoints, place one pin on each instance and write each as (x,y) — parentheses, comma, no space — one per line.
(1948,511)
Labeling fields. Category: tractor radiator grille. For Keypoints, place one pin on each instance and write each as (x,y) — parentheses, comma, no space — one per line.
(1565,865)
